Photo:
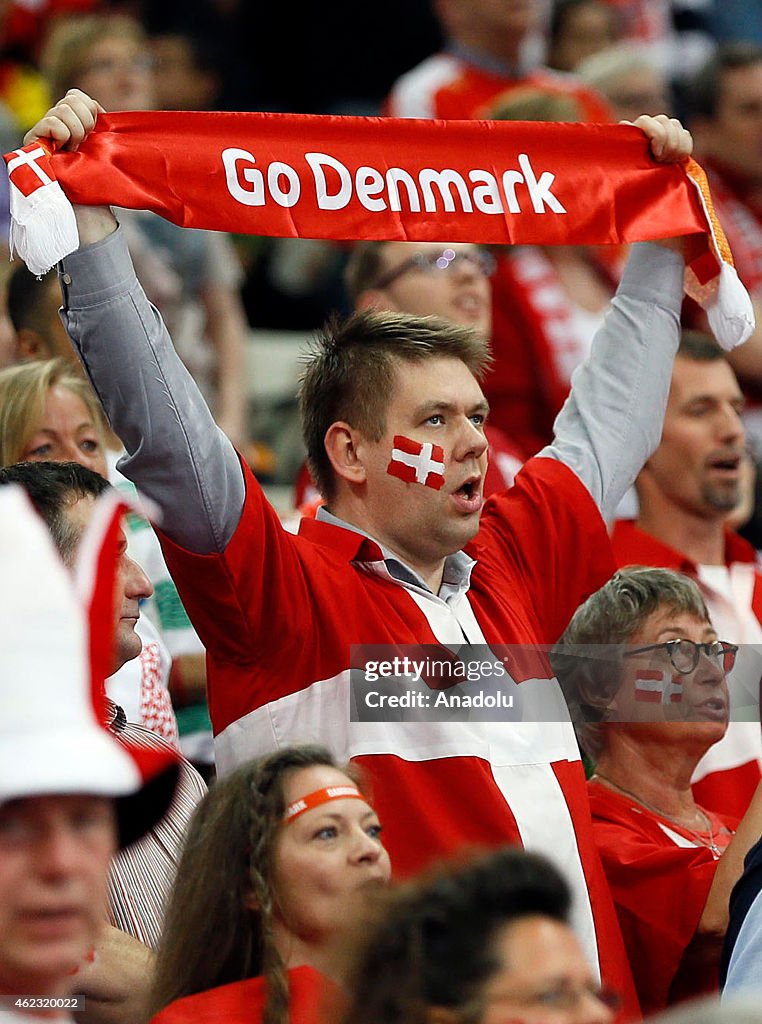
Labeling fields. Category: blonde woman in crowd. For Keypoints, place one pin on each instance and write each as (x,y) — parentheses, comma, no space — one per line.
(48,412)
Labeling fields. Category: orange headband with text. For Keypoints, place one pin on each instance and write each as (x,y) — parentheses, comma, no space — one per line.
(320,796)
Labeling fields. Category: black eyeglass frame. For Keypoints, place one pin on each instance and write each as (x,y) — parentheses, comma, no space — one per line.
(484,262)
(713,649)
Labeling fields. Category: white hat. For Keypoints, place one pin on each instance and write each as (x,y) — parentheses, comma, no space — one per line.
(53,660)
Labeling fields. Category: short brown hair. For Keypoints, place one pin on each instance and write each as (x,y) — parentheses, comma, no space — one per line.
(700,347)
(350,374)
(363,268)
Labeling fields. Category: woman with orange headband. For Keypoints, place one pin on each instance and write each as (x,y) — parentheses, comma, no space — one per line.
(278,862)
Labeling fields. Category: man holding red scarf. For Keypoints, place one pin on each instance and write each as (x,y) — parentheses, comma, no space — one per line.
(385,562)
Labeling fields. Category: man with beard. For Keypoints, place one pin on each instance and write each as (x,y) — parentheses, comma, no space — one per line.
(686,491)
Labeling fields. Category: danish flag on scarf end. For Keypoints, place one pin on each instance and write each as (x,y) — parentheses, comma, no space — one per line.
(43,225)
(652,687)
(417,463)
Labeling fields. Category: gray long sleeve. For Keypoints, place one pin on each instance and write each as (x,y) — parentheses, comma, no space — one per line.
(176,454)
(612,421)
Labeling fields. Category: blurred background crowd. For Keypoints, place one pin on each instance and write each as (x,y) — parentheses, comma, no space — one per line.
(240,310)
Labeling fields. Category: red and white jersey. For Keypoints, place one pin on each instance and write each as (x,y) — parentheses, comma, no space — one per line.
(278,614)
(660,875)
(727,775)
(539,337)
(446,85)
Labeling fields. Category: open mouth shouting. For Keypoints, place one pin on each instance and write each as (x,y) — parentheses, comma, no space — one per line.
(468,497)
(726,464)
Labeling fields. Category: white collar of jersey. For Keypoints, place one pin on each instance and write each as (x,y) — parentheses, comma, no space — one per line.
(457,568)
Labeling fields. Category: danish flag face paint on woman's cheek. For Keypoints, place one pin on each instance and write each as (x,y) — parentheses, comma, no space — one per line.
(417,462)
(653,687)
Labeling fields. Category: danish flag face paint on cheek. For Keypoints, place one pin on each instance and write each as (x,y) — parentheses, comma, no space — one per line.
(652,687)
(417,462)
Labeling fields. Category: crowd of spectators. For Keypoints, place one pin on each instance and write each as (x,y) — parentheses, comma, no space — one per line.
(593,859)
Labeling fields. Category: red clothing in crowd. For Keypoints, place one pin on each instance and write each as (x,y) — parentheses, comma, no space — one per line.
(438,786)
(727,775)
(740,214)
(539,338)
(451,86)
(660,875)
(281,615)
(311,998)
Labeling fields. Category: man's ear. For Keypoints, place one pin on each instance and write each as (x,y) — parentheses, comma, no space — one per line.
(30,345)
(341,447)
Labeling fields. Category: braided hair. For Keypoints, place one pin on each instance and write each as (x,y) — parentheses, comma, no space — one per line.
(219,922)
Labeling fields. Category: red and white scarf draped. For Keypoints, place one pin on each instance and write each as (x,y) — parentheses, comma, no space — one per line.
(546,312)
(381,178)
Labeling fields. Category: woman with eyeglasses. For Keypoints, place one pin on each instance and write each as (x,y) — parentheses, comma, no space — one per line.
(644,675)
(486,942)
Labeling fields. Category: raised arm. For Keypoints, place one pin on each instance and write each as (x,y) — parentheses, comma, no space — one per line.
(612,420)
(176,454)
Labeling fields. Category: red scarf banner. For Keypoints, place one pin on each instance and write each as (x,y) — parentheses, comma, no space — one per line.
(316,176)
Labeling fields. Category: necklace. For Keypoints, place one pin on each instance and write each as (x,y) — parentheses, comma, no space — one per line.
(697,832)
